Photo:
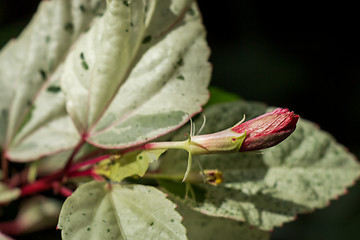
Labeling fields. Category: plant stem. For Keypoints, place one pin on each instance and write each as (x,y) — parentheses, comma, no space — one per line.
(86,173)
(36,187)
(166,145)
(88,162)
(193,177)
(73,154)
(66,192)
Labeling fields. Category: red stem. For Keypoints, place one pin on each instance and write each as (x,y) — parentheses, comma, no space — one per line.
(18,178)
(11,227)
(36,187)
(66,192)
(93,154)
(86,173)
(77,166)
(73,154)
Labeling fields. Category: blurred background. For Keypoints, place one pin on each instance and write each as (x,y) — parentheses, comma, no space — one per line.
(301,55)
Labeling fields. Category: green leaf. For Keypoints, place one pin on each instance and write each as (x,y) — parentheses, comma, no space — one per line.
(56,162)
(123,88)
(270,188)
(7,195)
(27,65)
(100,211)
(218,95)
(134,163)
(200,226)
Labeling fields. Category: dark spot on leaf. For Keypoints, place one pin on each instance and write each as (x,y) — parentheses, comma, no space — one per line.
(43,74)
(83,214)
(53,89)
(172,220)
(126,3)
(47,39)
(97,7)
(88,229)
(29,103)
(69,27)
(82,8)
(84,65)
(191,12)
(180,77)
(83,62)
(140,157)
(146,39)
(180,62)
(108,230)
(131,24)
(126,30)
(90,193)
(152,223)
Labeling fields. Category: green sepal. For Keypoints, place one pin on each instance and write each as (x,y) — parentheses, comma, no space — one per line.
(133,163)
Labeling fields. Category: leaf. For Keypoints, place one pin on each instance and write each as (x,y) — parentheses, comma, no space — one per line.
(138,72)
(26,67)
(4,237)
(200,226)
(56,162)
(270,188)
(48,129)
(218,95)
(7,195)
(98,211)
(134,163)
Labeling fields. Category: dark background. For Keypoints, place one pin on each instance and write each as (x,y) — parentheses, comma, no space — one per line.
(301,55)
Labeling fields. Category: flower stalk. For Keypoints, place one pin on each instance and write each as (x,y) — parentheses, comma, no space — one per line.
(259,133)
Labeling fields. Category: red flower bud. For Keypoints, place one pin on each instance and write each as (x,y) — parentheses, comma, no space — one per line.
(267,130)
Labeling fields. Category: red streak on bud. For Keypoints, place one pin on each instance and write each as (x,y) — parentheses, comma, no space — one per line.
(267,130)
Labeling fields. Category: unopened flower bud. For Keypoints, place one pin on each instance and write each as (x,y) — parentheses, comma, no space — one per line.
(267,130)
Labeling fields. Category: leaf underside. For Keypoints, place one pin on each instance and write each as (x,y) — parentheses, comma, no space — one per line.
(138,73)
(33,120)
(99,211)
(132,74)
(269,188)
(201,226)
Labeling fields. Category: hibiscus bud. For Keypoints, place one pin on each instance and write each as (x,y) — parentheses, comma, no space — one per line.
(267,130)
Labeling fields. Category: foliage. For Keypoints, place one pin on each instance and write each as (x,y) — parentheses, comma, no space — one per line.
(89,83)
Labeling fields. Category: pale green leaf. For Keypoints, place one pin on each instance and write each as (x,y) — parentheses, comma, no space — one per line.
(4,237)
(141,80)
(28,62)
(56,162)
(271,187)
(100,211)
(48,129)
(7,195)
(201,226)
(218,95)
(133,163)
